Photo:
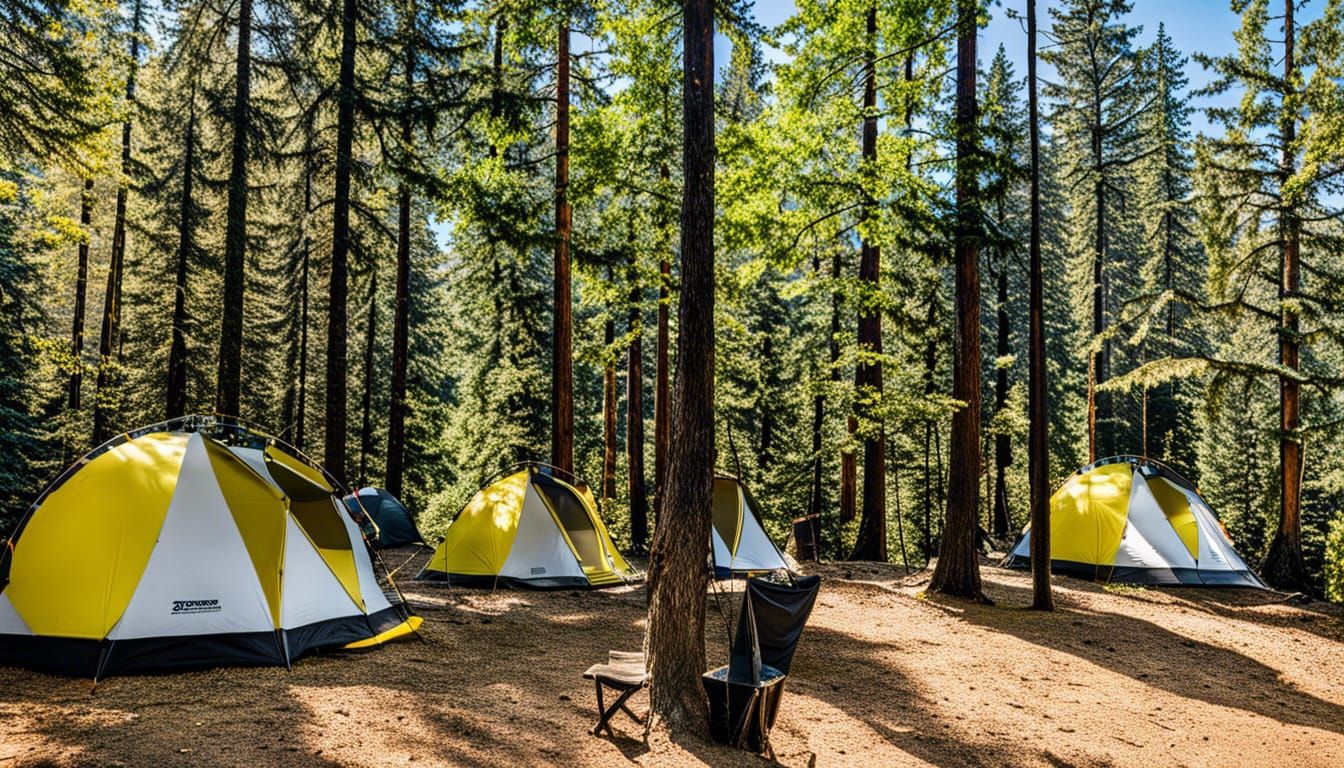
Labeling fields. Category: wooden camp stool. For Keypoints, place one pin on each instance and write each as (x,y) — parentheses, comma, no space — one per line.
(624,673)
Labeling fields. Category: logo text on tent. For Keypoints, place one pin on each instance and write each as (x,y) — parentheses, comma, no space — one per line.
(195,606)
(538,571)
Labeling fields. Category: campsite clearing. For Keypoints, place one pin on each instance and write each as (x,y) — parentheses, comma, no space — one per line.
(883,676)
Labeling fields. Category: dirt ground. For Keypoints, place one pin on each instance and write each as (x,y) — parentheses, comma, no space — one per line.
(884,676)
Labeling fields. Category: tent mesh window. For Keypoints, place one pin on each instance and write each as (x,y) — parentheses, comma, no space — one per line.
(572,514)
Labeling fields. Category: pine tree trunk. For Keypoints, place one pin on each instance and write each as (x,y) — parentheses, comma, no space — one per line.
(849,473)
(562,361)
(81,298)
(109,337)
(675,643)
(1038,446)
(1098,402)
(660,387)
(1003,443)
(634,419)
(872,540)
(366,406)
(301,416)
(1283,565)
(228,386)
(814,497)
(609,413)
(958,569)
(930,479)
(396,410)
(177,352)
(336,416)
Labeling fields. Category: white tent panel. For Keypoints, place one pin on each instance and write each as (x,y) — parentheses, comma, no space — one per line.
(312,593)
(1147,516)
(199,579)
(374,599)
(11,623)
(539,548)
(755,550)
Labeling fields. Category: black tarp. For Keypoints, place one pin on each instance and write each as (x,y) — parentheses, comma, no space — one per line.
(775,614)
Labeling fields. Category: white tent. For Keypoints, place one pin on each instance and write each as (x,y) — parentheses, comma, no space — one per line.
(740,543)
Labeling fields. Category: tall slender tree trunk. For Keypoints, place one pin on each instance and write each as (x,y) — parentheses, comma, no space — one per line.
(1098,402)
(366,406)
(109,337)
(177,351)
(609,412)
(930,435)
(1038,446)
(396,409)
(872,540)
(660,386)
(1283,565)
(675,643)
(562,361)
(1003,443)
(958,569)
(337,291)
(634,417)
(228,385)
(301,416)
(814,497)
(76,383)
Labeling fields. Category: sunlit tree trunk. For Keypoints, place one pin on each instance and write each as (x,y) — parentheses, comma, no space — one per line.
(76,383)
(562,362)
(177,351)
(958,569)
(872,540)
(675,643)
(634,418)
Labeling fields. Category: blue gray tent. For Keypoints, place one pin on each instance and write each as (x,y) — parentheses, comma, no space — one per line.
(392,524)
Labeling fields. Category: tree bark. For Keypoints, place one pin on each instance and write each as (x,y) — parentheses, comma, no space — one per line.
(958,569)
(109,337)
(660,387)
(337,388)
(1003,443)
(177,352)
(609,413)
(301,416)
(396,409)
(366,406)
(228,385)
(634,418)
(1038,446)
(1283,565)
(81,297)
(675,643)
(562,361)
(930,479)
(872,540)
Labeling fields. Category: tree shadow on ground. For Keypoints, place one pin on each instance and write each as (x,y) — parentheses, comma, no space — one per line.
(1167,660)
(854,675)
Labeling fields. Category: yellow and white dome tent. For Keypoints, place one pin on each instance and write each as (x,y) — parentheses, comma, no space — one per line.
(184,545)
(1131,520)
(536,527)
(740,545)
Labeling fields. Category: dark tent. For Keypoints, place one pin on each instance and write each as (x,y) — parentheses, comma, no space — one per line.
(393,521)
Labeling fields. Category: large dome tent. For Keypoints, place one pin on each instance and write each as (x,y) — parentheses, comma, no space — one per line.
(1133,520)
(187,544)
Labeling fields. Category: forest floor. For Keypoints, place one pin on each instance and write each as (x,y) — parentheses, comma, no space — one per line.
(885,675)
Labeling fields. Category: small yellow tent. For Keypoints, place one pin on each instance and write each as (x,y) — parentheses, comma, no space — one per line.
(1136,521)
(529,528)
